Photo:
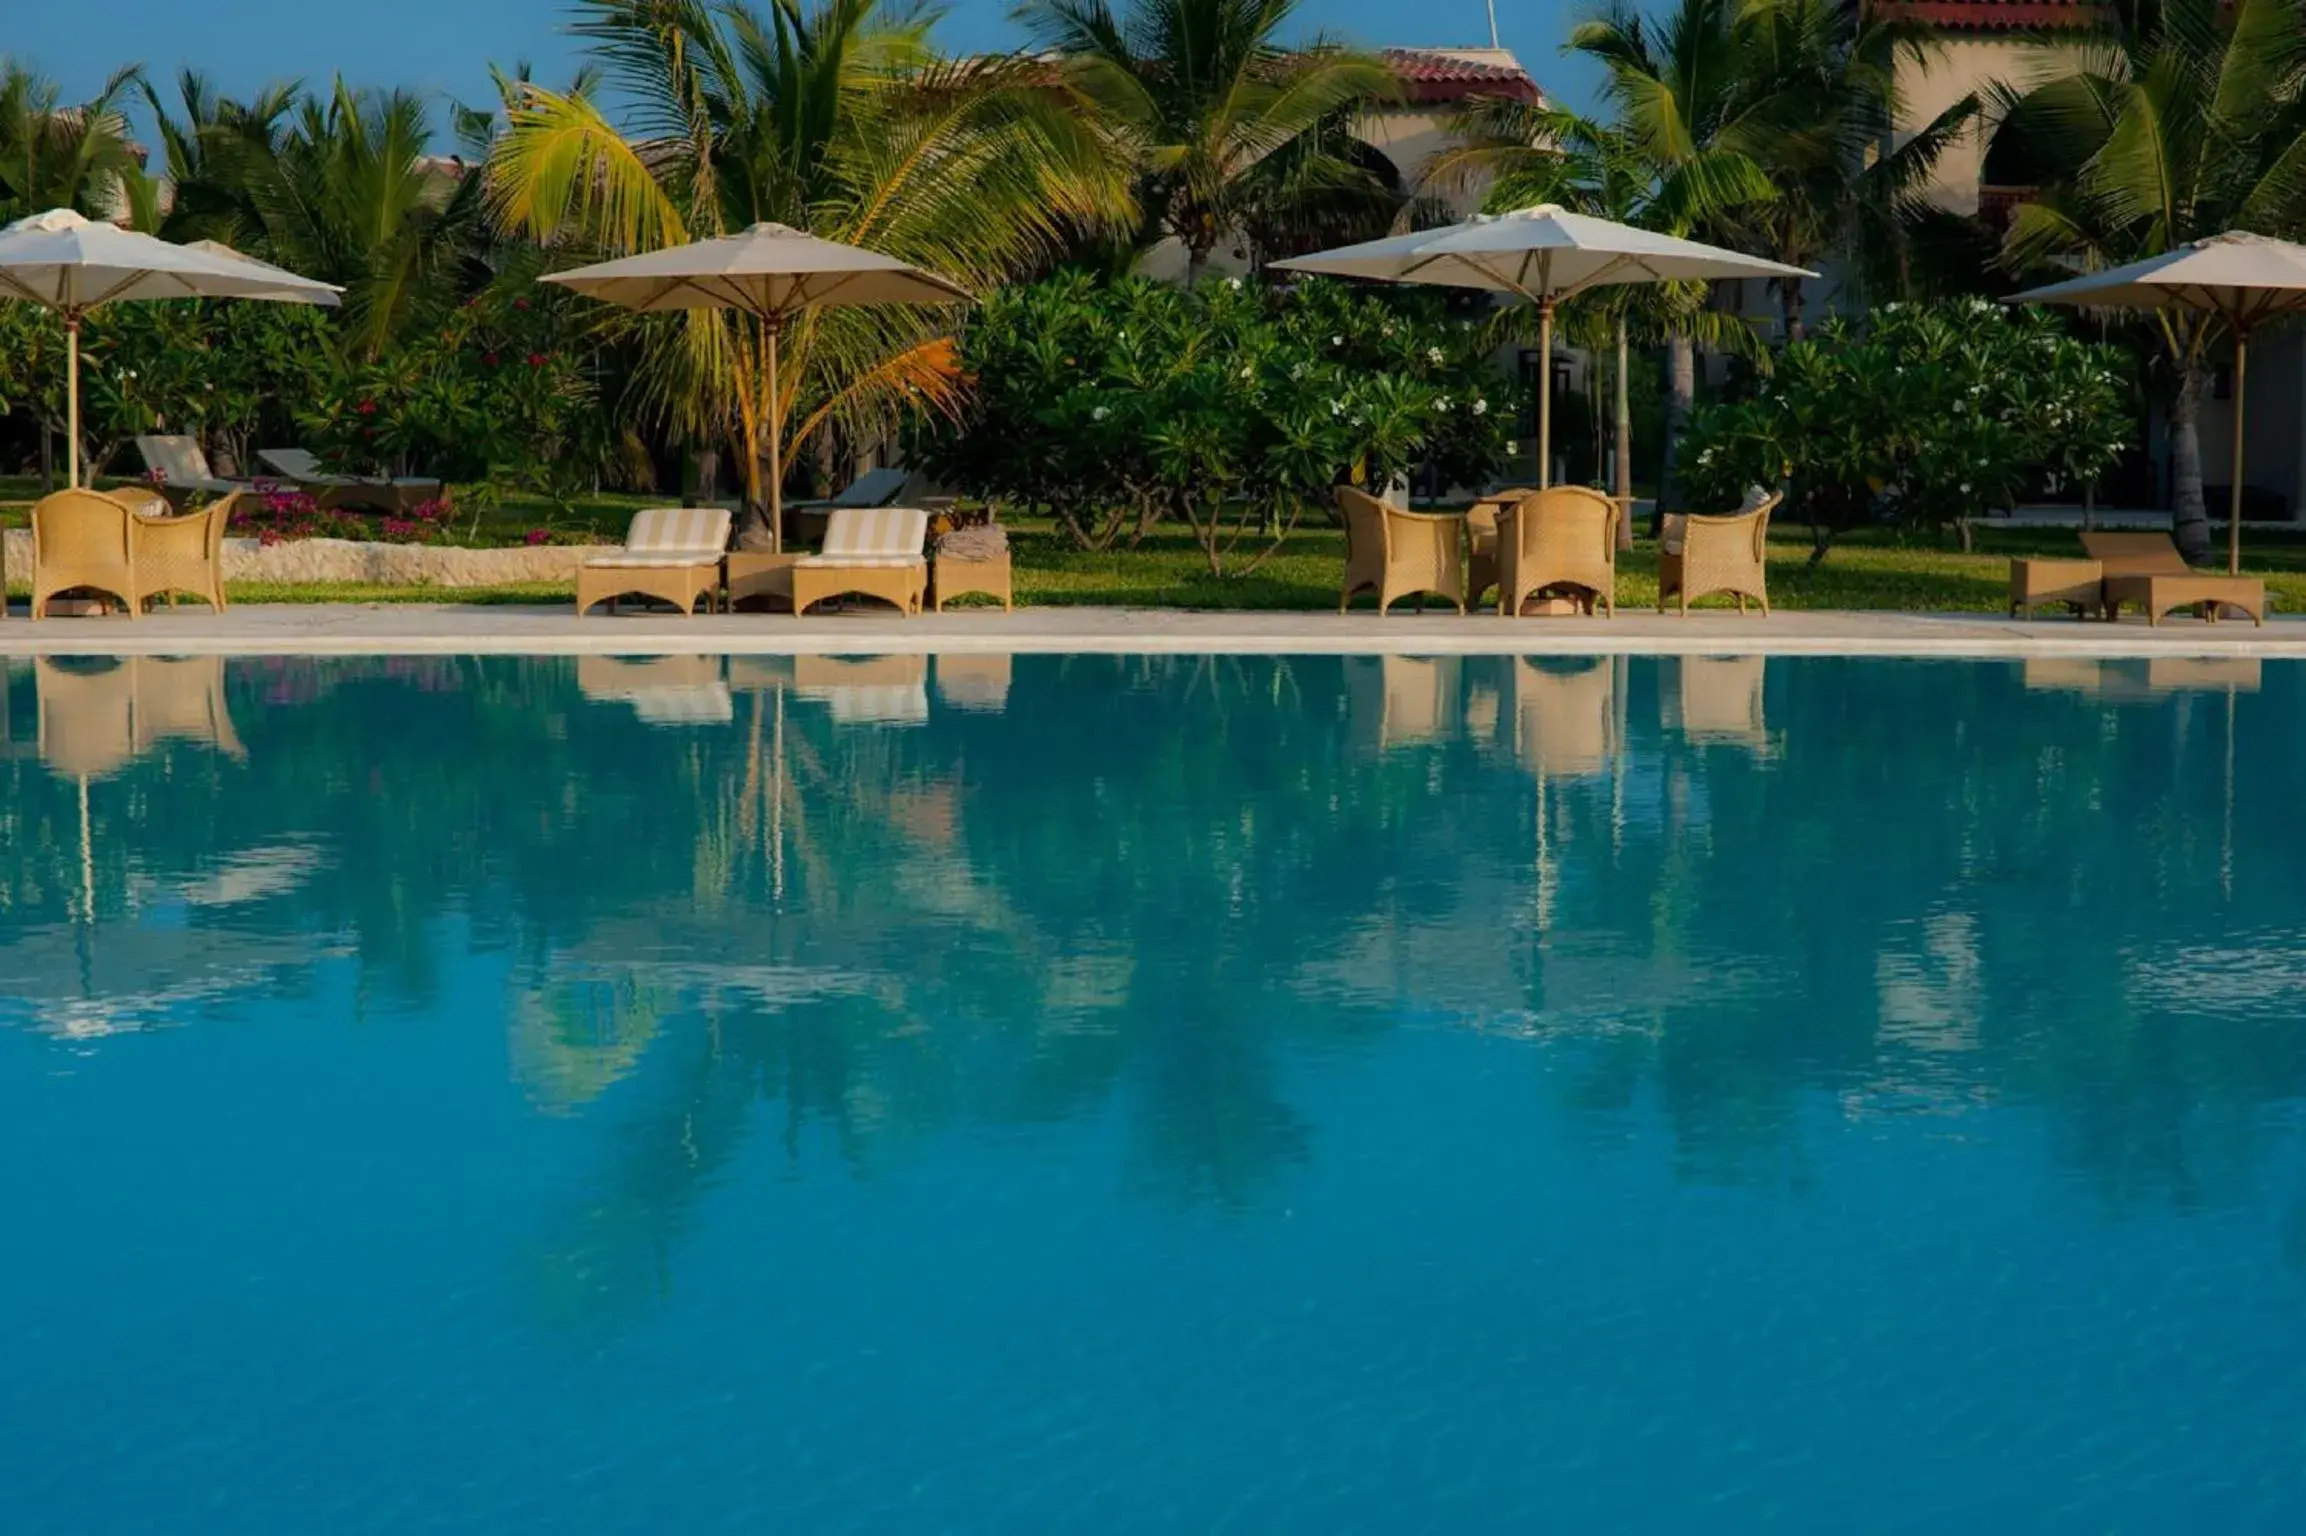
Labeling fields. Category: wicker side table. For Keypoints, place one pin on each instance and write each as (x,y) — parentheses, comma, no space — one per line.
(952,578)
(2037,583)
(755,574)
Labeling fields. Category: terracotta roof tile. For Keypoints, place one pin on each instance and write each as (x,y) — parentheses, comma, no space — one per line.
(1441,75)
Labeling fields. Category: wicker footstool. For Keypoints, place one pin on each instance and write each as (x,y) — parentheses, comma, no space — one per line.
(2079,584)
(952,578)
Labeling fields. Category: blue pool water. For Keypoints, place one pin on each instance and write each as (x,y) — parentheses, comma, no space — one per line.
(1131,1095)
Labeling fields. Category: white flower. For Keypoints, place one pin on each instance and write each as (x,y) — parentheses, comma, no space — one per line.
(1965,487)
(1481,407)
(1441,402)
(1233,283)
(1297,370)
(1336,407)
(1248,372)
(1435,355)
(1099,414)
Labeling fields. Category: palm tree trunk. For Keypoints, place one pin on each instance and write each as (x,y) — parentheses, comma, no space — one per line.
(1621,425)
(1790,306)
(1680,400)
(2189,511)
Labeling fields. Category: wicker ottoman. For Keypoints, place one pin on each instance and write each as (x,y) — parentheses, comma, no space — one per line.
(953,578)
(2079,584)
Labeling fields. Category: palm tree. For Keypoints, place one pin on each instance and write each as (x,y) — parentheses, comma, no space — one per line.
(214,148)
(1688,105)
(1230,131)
(836,117)
(1824,72)
(2184,118)
(58,156)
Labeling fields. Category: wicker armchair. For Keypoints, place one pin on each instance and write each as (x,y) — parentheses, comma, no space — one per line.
(183,554)
(1398,554)
(83,540)
(1705,555)
(1481,540)
(1562,537)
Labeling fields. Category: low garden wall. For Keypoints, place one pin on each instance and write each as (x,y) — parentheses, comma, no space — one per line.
(301,561)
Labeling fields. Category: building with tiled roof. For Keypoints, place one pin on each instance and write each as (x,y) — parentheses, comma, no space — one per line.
(1432,76)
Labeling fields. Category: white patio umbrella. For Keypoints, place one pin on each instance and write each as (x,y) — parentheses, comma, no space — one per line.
(71,264)
(771,272)
(2243,279)
(1543,254)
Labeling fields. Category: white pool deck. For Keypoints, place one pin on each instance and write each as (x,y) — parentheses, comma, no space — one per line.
(351,629)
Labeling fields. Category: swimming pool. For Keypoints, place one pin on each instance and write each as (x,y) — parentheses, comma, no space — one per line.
(1152,1094)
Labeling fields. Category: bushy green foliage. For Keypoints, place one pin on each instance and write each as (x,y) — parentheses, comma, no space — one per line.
(1112,406)
(498,393)
(1926,416)
(214,370)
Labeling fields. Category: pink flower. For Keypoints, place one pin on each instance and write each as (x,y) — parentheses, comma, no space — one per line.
(520,303)
(538,536)
(536,359)
(489,358)
(366,407)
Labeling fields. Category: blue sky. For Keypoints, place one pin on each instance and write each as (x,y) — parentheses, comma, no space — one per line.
(445,46)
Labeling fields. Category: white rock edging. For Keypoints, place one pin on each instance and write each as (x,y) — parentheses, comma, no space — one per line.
(370,564)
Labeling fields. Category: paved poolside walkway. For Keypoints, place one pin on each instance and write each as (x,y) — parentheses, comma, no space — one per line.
(412,628)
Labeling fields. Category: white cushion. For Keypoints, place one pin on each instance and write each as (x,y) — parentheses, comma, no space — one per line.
(673,561)
(879,531)
(861,562)
(678,530)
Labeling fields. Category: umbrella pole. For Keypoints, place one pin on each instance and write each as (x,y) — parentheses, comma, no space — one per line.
(1544,393)
(2241,410)
(72,401)
(773,323)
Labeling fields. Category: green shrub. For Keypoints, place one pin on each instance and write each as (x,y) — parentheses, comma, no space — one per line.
(1922,418)
(1113,406)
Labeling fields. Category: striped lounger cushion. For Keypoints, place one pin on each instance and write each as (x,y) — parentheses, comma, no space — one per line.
(873,537)
(670,537)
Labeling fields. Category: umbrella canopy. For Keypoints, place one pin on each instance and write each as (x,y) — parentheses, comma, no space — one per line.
(772,272)
(2243,279)
(1543,254)
(71,264)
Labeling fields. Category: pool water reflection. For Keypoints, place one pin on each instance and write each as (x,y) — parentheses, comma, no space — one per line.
(1152,1093)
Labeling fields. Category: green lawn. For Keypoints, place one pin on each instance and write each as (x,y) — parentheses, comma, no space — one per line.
(1865,571)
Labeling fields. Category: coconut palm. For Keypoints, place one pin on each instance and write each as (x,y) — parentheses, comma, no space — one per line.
(2183,118)
(835,117)
(213,148)
(58,156)
(1231,132)
(1824,74)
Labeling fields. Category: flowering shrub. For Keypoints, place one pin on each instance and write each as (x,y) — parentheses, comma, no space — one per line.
(277,512)
(1113,406)
(1927,416)
(449,403)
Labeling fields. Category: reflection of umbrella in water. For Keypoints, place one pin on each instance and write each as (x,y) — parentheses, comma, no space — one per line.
(97,718)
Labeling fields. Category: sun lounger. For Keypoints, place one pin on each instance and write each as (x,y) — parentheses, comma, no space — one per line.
(395,495)
(670,553)
(806,520)
(183,468)
(2146,569)
(866,690)
(869,552)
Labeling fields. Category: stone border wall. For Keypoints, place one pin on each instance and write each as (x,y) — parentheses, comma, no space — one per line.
(298,561)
